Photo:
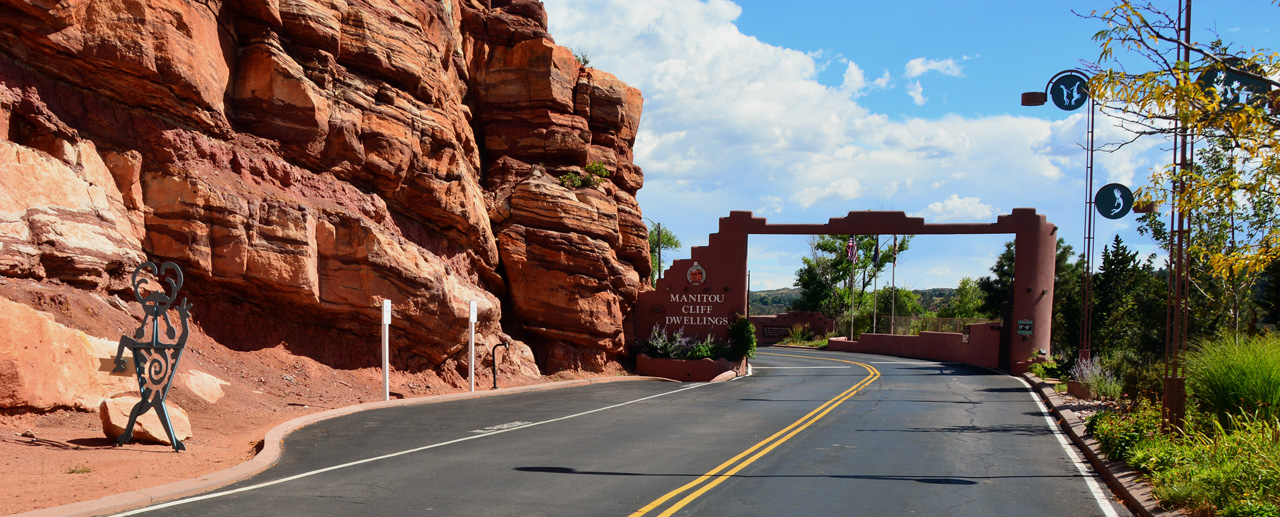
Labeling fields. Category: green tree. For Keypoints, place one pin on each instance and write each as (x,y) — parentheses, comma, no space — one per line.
(660,239)
(894,300)
(1222,294)
(1185,91)
(825,280)
(1128,305)
(964,302)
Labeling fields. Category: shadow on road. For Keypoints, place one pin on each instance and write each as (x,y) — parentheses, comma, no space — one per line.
(929,480)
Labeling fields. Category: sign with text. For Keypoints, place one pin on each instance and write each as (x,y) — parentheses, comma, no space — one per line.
(696,309)
(1024,327)
(775,331)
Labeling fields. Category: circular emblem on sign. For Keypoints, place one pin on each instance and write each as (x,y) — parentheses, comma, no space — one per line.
(696,275)
(1069,91)
(1113,201)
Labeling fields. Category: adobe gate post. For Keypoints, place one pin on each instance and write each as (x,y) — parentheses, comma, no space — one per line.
(1035,257)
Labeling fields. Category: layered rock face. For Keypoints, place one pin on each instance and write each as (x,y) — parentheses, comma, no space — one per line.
(309,158)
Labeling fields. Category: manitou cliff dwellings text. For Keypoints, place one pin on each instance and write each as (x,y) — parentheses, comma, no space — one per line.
(695,309)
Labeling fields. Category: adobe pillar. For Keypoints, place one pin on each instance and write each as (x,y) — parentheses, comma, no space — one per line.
(1034,248)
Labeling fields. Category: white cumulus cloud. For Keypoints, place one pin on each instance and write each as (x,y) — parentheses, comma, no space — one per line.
(919,66)
(916,91)
(956,208)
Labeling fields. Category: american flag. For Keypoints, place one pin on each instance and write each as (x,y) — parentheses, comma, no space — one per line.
(851,250)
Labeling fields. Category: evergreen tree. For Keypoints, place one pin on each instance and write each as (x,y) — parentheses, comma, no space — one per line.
(1128,305)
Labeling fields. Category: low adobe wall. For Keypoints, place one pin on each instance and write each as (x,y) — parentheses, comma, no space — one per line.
(771,329)
(983,348)
(701,370)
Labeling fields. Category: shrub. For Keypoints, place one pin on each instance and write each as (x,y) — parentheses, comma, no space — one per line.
(1100,381)
(1216,469)
(666,345)
(597,171)
(1118,432)
(1227,378)
(1046,369)
(799,333)
(676,345)
(1207,467)
(593,175)
(742,338)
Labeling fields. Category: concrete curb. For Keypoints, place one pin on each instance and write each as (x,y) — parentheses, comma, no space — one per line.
(270,452)
(1124,481)
(795,347)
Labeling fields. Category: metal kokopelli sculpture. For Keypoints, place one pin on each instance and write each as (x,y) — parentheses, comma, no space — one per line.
(156,362)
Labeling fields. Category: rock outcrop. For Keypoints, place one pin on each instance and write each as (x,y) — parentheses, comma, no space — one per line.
(45,365)
(114,412)
(309,158)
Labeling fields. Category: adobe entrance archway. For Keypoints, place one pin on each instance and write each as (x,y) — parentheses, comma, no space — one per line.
(703,292)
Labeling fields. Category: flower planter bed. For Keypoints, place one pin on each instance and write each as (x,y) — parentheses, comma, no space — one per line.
(684,370)
(1079,390)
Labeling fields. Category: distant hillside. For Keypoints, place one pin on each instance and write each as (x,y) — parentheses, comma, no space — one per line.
(772,302)
(777,301)
(933,299)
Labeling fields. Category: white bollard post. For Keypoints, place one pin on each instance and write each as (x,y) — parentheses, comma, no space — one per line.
(386,349)
(471,348)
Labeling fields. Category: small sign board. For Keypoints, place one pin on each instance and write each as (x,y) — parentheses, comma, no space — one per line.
(1024,327)
(386,312)
(473,311)
(1113,201)
(107,364)
(775,331)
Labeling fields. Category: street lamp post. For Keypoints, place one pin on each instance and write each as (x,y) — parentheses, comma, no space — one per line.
(1069,91)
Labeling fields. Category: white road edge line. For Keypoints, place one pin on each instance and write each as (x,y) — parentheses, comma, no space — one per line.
(1090,478)
(394,454)
(803,367)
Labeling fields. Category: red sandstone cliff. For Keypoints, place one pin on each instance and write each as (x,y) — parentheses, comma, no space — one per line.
(303,159)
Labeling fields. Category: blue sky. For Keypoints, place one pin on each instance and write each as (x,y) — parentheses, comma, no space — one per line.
(805,110)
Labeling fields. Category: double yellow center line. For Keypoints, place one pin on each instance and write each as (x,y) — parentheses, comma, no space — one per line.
(729,468)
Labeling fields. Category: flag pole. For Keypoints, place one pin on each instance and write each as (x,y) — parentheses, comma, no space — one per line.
(851,250)
(875,287)
(893,287)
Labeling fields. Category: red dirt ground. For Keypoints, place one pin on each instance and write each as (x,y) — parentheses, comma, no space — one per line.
(71,460)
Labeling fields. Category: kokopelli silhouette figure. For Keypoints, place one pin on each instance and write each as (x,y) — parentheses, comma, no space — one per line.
(156,362)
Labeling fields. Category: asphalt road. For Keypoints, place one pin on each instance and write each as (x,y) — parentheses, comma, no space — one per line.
(809,433)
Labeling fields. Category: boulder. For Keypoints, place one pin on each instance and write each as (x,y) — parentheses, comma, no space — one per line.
(114,412)
(45,365)
(203,385)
